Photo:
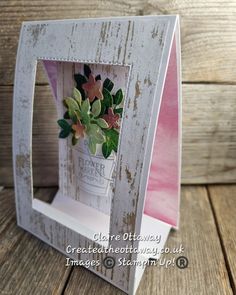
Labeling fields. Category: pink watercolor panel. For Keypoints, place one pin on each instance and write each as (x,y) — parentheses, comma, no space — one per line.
(51,71)
(162,197)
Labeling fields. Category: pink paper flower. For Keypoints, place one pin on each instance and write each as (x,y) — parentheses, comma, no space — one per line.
(93,88)
(79,129)
(111,119)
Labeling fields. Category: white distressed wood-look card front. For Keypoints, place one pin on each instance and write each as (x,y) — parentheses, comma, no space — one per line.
(114,188)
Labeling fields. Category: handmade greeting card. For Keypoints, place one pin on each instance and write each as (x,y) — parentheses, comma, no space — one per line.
(116,87)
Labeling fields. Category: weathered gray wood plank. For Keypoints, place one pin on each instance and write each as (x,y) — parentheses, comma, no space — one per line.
(206,273)
(27,265)
(209,128)
(208,30)
(223,199)
(208,37)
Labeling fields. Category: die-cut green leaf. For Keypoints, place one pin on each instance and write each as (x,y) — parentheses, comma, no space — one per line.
(106,150)
(85,118)
(96,108)
(107,98)
(96,133)
(98,77)
(102,123)
(66,115)
(119,111)
(77,96)
(87,71)
(72,115)
(85,106)
(64,124)
(103,108)
(112,138)
(80,80)
(92,146)
(74,140)
(108,84)
(64,133)
(71,103)
(118,97)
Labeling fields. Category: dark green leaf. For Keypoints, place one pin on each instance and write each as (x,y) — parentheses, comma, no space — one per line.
(103,108)
(107,98)
(72,115)
(108,84)
(64,124)
(80,80)
(119,111)
(87,71)
(74,140)
(106,150)
(66,115)
(112,138)
(98,77)
(118,97)
(64,133)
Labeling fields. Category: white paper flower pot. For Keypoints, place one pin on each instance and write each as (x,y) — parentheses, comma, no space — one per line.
(94,173)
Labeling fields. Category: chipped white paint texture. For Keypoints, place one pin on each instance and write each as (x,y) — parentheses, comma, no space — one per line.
(141,43)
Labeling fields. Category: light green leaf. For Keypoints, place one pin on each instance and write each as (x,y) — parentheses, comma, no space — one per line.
(95,132)
(77,96)
(85,118)
(99,138)
(96,108)
(85,106)
(93,129)
(71,103)
(92,146)
(102,123)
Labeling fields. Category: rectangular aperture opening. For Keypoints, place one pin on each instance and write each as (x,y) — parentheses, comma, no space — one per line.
(76,131)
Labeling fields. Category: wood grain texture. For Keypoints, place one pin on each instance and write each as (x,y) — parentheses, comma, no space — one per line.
(208,37)
(206,273)
(13,13)
(208,30)
(27,265)
(209,141)
(224,203)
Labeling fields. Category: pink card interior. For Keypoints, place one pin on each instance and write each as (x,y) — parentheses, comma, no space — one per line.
(162,197)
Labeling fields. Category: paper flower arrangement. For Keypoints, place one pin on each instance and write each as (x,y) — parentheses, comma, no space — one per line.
(93,111)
